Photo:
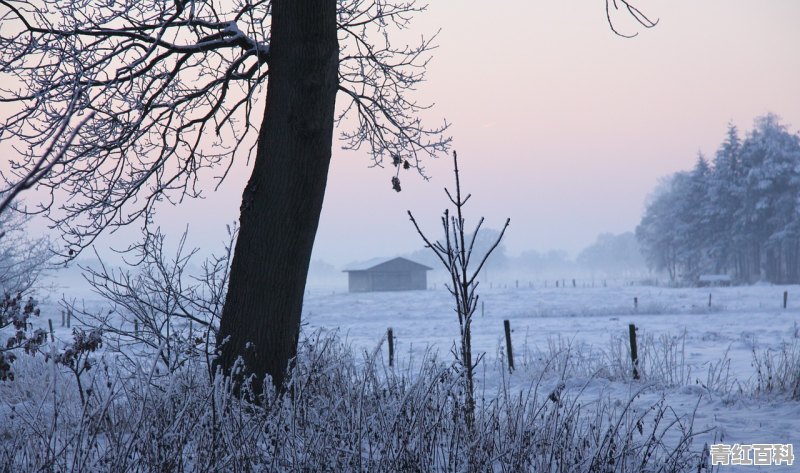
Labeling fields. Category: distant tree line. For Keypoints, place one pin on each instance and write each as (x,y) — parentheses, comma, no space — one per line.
(613,255)
(738,214)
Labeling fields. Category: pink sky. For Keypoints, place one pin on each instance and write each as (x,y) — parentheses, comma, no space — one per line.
(566,128)
(559,124)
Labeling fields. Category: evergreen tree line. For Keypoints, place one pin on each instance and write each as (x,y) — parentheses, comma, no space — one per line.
(737,214)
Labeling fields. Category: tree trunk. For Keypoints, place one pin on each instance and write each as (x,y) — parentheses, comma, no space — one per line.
(282,201)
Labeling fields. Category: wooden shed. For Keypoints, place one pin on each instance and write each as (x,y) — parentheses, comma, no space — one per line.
(387,274)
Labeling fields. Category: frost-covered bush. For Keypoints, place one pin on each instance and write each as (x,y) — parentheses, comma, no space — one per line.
(76,356)
(341,412)
(14,315)
(160,308)
(778,371)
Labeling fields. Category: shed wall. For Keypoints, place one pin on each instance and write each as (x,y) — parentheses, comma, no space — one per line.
(368,281)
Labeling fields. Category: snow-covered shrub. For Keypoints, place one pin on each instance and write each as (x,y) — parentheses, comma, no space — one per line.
(778,371)
(342,412)
(160,309)
(77,356)
(15,314)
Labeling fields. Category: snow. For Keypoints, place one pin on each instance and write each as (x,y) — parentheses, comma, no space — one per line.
(237,33)
(739,321)
(590,321)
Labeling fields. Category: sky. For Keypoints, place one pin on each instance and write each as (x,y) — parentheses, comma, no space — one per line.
(560,125)
(563,126)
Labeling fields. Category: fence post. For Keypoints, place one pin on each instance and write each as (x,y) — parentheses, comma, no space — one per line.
(390,338)
(785,298)
(63,318)
(69,317)
(634,352)
(509,351)
(709,300)
(52,336)
(573,283)
(635,302)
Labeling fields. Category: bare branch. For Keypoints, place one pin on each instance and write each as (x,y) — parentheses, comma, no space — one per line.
(632,12)
(165,92)
(161,86)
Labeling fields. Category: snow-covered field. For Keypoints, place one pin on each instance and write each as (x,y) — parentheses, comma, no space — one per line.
(738,318)
(696,356)
(593,321)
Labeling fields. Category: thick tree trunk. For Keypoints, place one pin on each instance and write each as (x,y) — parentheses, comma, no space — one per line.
(283,199)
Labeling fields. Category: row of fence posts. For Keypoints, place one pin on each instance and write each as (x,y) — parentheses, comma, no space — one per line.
(636,301)
(563,283)
(510,352)
(506,328)
(559,283)
(66,321)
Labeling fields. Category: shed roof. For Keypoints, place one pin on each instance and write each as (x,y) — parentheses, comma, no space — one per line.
(387,264)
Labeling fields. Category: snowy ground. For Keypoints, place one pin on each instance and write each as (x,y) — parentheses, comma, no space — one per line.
(593,321)
(739,320)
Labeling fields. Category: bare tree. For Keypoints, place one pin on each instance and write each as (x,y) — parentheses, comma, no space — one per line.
(165,92)
(172,87)
(463,261)
(23,259)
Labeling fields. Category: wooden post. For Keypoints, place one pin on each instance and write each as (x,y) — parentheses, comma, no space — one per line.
(635,302)
(785,298)
(63,318)
(634,352)
(509,351)
(709,300)
(69,317)
(573,283)
(52,336)
(556,282)
(390,338)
